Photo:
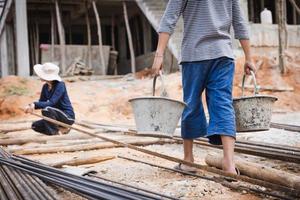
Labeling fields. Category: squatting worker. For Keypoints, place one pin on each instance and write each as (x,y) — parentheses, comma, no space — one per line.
(54,101)
(207,63)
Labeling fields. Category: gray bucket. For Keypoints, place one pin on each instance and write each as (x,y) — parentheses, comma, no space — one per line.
(253,113)
(157,116)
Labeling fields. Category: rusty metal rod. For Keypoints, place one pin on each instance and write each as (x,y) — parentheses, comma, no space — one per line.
(131,131)
(287,127)
(82,184)
(8,187)
(211,178)
(130,186)
(285,154)
(170,158)
(255,151)
(261,144)
(39,187)
(2,192)
(25,187)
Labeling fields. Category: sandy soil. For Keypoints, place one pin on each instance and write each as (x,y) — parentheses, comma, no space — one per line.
(107,101)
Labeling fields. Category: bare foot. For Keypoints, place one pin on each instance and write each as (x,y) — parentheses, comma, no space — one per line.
(185,168)
(63,130)
(229,166)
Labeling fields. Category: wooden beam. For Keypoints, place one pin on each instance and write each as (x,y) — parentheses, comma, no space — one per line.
(281,22)
(113,23)
(81,161)
(102,61)
(129,37)
(62,41)
(53,32)
(89,40)
(260,172)
(37,44)
(4,14)
(295,6)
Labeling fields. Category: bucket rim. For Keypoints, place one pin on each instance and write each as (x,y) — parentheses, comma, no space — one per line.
(155,97)
(256,96)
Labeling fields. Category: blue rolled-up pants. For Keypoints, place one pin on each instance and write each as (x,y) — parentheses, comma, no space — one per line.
(216,78)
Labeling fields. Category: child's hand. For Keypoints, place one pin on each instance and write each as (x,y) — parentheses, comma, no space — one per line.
(29,108)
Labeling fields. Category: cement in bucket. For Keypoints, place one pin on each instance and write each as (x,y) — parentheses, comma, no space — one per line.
(157,116)
(253,113)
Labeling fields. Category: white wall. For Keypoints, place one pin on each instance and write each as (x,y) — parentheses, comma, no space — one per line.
(267,35)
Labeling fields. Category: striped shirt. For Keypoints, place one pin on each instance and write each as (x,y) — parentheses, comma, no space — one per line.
(207,26)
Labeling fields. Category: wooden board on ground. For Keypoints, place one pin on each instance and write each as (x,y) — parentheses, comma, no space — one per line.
(75,161)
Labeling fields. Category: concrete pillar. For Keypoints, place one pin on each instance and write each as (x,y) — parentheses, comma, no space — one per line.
(22,49)
(3,53)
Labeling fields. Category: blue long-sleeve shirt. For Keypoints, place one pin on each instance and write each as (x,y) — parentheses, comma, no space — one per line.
(57,97)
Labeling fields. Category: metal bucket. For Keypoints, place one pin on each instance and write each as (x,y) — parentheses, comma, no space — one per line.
(253,113)
(157,116)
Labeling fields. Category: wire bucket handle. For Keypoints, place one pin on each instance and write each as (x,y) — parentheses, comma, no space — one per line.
(164,92)
(256,88)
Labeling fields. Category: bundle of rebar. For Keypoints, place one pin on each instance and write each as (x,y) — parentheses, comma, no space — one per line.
(16,185)
(83,186)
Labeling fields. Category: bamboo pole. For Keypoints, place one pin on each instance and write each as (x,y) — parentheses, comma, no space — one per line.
(259,171)
(88,27)
(40,139)
(295,6)
(62,41)
(37,46)
(129,37)
(52,34)
(113,43)
(102,61)
(81,161)
(281,22)
(174,159)
(82,147)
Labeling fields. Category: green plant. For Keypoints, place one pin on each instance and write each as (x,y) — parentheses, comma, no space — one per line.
(15,90)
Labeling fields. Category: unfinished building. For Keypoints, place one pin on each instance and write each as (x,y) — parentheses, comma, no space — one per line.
(67,32)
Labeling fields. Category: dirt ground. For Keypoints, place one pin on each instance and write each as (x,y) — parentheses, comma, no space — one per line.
(105,100)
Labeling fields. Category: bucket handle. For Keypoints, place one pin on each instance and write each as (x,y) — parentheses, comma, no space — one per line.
(254,81)
(164,92)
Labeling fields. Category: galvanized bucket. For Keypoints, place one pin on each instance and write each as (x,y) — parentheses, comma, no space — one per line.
(253,113)
(157,116)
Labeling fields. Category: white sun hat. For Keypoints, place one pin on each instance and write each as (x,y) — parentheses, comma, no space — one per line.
(47,71)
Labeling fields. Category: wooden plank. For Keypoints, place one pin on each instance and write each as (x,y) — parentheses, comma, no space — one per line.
(174,159)
(295,6)
(85,147)
(52,34)
(281,43)
(40,139)
(89,40)
(129,37)
(99,38)
(62,41)
(81,161)
(4,14)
